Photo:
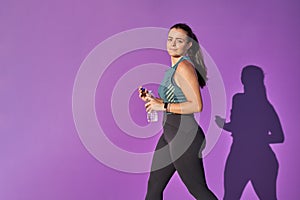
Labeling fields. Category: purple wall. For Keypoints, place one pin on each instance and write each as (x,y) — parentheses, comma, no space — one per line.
(42,46)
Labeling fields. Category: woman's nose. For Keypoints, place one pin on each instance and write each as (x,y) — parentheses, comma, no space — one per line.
(174,43)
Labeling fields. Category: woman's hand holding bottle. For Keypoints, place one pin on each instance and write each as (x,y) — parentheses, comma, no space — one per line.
(153,104)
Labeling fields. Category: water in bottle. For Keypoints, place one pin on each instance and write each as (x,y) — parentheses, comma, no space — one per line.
(152,116)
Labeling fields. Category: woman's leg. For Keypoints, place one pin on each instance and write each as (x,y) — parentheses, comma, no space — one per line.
(159,178)
(190,168)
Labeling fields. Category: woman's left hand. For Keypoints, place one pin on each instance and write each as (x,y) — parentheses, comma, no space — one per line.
(154,104)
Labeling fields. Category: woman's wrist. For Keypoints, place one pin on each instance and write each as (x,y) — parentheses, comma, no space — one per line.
(166,106)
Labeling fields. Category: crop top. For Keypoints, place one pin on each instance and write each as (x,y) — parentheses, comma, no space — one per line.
(168,90)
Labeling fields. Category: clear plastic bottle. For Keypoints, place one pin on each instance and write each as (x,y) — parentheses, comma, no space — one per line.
(152,116)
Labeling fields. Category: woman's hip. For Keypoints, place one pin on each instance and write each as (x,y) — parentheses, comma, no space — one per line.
(182,128)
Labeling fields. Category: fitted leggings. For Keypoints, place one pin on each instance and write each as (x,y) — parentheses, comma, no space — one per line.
(179,149)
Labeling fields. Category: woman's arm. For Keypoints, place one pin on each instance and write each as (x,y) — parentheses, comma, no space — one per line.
(186,78)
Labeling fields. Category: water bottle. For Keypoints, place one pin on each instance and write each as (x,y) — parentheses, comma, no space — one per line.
(152,116)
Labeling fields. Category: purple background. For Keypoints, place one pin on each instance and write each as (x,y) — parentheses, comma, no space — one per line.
(43,43)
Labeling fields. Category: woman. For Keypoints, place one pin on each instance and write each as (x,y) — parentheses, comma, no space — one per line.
(180,97)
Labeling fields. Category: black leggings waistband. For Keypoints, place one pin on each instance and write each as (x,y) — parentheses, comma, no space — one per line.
(177,120)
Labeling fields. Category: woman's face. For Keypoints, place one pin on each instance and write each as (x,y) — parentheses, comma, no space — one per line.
(178,42)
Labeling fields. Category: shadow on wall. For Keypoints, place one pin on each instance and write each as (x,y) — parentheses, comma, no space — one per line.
(254,125)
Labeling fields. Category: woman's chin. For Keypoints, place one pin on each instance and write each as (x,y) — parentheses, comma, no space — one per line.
(174,55)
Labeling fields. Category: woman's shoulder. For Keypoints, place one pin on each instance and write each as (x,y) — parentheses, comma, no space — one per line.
(185,66)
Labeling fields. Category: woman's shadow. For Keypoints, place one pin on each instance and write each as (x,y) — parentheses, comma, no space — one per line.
(254,125)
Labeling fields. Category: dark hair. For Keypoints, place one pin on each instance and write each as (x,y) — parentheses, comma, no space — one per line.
(195,53)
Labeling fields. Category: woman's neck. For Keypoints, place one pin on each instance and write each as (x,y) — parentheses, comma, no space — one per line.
(174,59)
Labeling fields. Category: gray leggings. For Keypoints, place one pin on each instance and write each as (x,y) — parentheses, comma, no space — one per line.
(178,149)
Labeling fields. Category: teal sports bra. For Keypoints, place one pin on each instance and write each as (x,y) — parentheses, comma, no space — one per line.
(168,89)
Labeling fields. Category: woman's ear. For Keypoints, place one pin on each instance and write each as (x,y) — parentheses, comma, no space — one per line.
(190,44)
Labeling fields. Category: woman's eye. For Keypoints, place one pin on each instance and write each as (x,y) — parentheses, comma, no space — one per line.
(180,41)
(169,40)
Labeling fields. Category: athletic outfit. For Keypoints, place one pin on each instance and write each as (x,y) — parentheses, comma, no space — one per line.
(183,140)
